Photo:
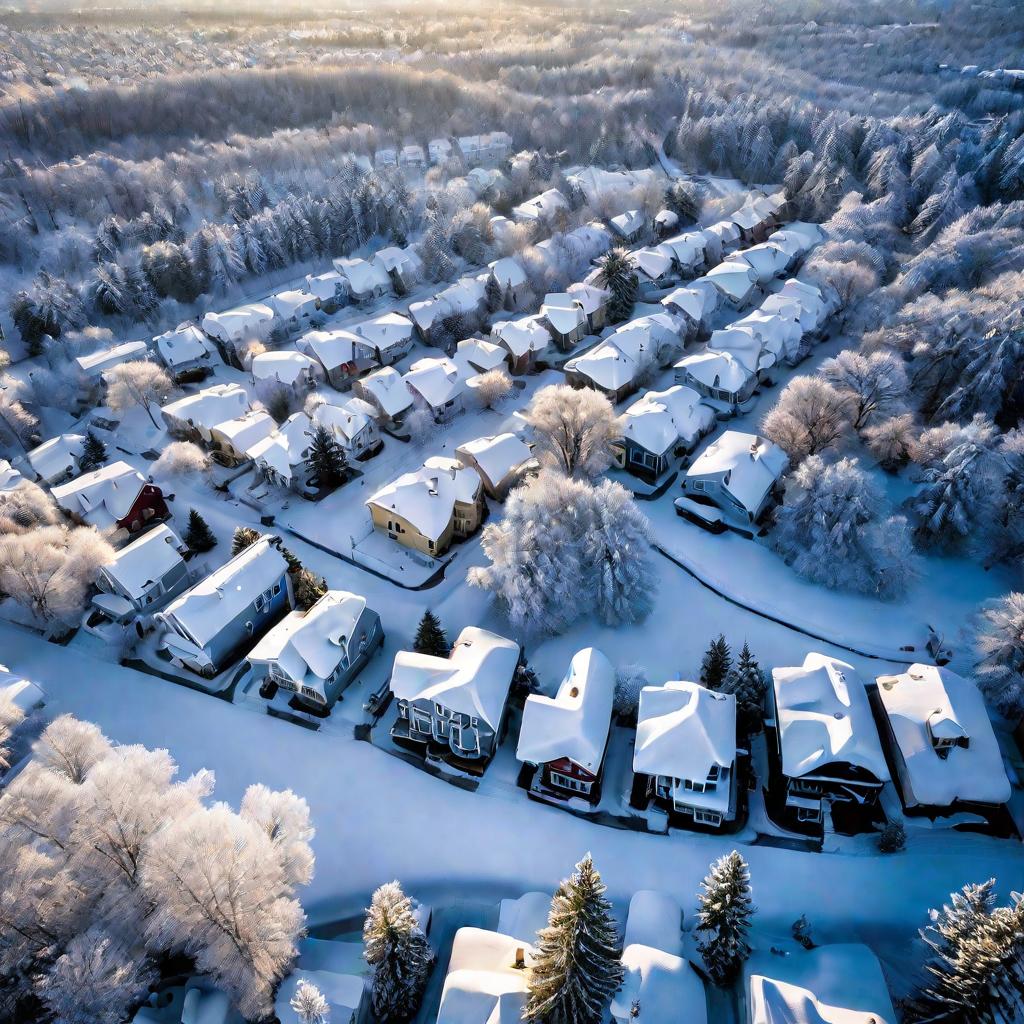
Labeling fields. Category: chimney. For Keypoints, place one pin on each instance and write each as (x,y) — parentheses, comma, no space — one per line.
(520,958)
(453,469)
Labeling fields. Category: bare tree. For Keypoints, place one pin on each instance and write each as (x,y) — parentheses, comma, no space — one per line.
(574,429)
(874,383)
(810,416)
(137,384)
(492,387)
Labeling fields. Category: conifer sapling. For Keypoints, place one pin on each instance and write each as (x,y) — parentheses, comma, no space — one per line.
(723,917)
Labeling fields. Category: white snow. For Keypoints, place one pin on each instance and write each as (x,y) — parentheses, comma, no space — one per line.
(286,367)
(95,364)
(507,272)
(652,263)
(475,355)
(528,333)
(436,379)
(483,984)
(57,457)
(240,323)
(184,345)
(388,389)
(748,466)
(332,348)
(497,457)
(541,207)
(144,561)
(628,223)
(293,303)
(209,407)
(364,278)
(524,917)
(659,420)
(102,496)
(736,281)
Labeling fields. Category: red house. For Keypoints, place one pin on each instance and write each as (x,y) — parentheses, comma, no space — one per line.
(112,497)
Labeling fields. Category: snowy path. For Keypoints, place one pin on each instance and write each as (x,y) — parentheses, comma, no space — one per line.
(378,818)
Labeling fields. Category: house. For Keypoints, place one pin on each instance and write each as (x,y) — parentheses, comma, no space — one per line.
(566,736)
(754,219)
(293,308)
(385,390)
(149,571)
(366,281)
(315,654)
(801,302)
(524,339)
(345,995)
(767,260)
(687,251)
(412,155)
(524,916)
(721,378)
(738,473)
(594,303)
(941,742)
(330,290)
(744,344)
(390,335)
(695,304)
(281,457)
(541,208)
(353,425)
(387,157)
(659,983)
(285,368)
(510,277)
(599,185)
(342,355)
(10,476)
(487,980)
(665,222)
(220,616)
(403,266)
(565,319)
(684,760)
(195,416)
(439,151)
(658,426)
(235,326)
(234,440)
(429,508)
(477,355)
(831,984)
(628,226)
(720,238)
(780,337)
(464,299)
(185,351)
(583,244)
(91,367)
(453,708)
(735,281)
(824,738)
(115,496)
(436,385)
(501,461)
(501,227)
(655,270)
(57,459)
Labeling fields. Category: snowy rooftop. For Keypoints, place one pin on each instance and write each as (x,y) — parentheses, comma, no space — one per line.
(436,379)
(324,286)
(145,560)
(391,257)
(476,355)
(507,272)
(743,345)
(235,324)
(686,249)
(473,680)
(245,431)
(25,694)
(362,275)
(345,421)
(497,456)
(748,464)
(544,205)
(930,707)
(565,312)
(210,406)
(343,992)
(285,366)
(386,331)
(389,390)
(286,447)
(725,231)
(734,279)
(767,260)
(524,917)
(291,303)
(332,348)
(214,602)
(660,419)
(655,919)
(652,262)
(590,297)
(103,496)
(608,365)
(185,344)
(527,334)
(57,456)
(95,363)
(627,223)
(9,476)
(823,717)
(483,984)
(573,724)
(664,987)
(716,370)
(694,302)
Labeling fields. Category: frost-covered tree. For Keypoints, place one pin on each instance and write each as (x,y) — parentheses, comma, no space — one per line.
(618,275)
(723,917)
(309,1004)
(684,199)
(874,383)
(94,452)
(431,637)
(242,538)
(577,966)
(834,528)
(1007,540)
(139,384)
(180,458)
(25,507)
(892,441)
(326,462)
(999,642)
(492,388)
(398,952)
(574,429)
(746,682)
(629,681)
(716,665)
(810,416)
(11,716)
(991,380)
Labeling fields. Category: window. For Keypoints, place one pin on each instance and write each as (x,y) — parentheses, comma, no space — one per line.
(567,782)
(698,485)
(250,628)
(258,603)
(277,589)
(707,817)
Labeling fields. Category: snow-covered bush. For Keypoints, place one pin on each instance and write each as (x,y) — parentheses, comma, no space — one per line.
(810,416)
(491,388)
(999,642)
(574,429)
(421,426)
(893,441)
(892,838)
(180,458)
(24,507)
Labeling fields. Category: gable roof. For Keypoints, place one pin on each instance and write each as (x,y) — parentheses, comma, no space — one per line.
(362,275)
(58,455)
(286,447)
(95,363)
(507,272)
(210,406)
(390,330)
(389,390)
(426,497)
(145,560)
(103,496)
(436,379)
(716,370)
(235,324)
(736,280)
(185,344)
(243,432)
(527,334)
(497,456)
(563,311)
(483,985)
(334,348)
(659,419)
(286,366)
(748,464)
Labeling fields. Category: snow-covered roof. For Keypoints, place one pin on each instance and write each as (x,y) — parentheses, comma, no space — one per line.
(345,421)
(333,348)
(9,476)
(928,703)
(527,334)
(725,231)
(767,260)
(473,680)
(833,984)
(324,286)
(507,272)
(735,280)
(716,370)
(96,363)
(388,388)
(57,456)
(749,466)
(597,183)
(563,311)
(575,722)
(683,730)
(589,240)
(813,233)
(214,602)
(655,919)
(500,226)
(652,263)
(235,324)
(608,365)
(666,219)
(436,379)
(466,294)
(309,645)
(25,694)
(823,718)
(497,456)
(779,335)
(539,207)
(483,984)
(392,257)
(628,223)
(362,275)
(343,992)
(185,344)
(750,215)
(743,345)
(210,406)
(147,559)
(426,497)
(286,366)
(686,249)
(523,917)
(589,296)
(292,302)
(286,447)
(476,355)
(691,301)
(658,420)
(386,331)
(102,496)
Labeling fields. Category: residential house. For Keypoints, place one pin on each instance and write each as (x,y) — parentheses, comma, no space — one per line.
(824,738)
(522,917)
(429,508)
(403,266)
(500,227)
(487,980)
(149,571)
(10,476)
(594,303)
(330,290)
(754,219)
(366,281)
(745,344)
(780,337)
(465,299)
(543,208)
(628,226)
(510,277)
(665,222)
(234,440)
(659,983)
(186,352)
(194,416)
(436,385)
(721,238)
(292,371)
(655,270)
(736,282)
(524,339)
(684,760)
(353,425)
(293,309)
(390,335)
(439,151)
(582,245)
(602,186)
(222,615)
(501,460)
(57,459)
(115,496)
(687,251)
(90,368)
(343,355)
(721,378)
(564,317)
(565,737)
(234,327)
(695,304)
(658,426)
(385,390)
(738,473)
(281,457)
(412,155)
(766,259)
(315,654)
(941,742)
(453,709)
(339,971)
(477,355)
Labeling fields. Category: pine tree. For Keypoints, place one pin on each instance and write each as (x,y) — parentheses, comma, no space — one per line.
(577,966)
(723,916)
(399,953)
(198,535)
(494,294)
(430,637)
(716,665)
(746,681)
(309,1004)
(327,464)
(94,452)
(242,538)
(618,275)
(307,588)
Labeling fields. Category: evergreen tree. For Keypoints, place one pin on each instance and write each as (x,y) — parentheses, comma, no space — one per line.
(683,199)
(495,296)
(430,637)
(242,538)
(716,665)
(723,917)
(307,588)
(94,452)
(399,954)
(746,681)
(618,275)
(198,535)
(577,966)
(326,463)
